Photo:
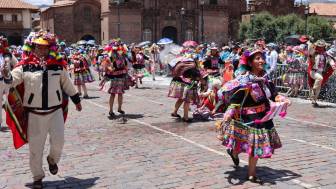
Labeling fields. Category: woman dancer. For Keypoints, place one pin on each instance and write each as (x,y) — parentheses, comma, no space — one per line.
(82,74)
(154,59)
(249,96)
(116,76)
(183,87)
(139,59)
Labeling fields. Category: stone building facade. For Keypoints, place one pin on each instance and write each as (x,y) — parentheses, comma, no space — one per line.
(73,20)
(16,20)
(276,7)
(180,20)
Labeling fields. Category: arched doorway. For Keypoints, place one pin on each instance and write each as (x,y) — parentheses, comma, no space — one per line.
(15,39)
(170,32)
(88,38)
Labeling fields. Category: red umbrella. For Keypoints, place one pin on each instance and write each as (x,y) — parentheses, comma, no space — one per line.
(190,44)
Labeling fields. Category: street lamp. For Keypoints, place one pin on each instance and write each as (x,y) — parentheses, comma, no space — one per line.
(306,12)
(182,12)
(252,23)
(118,10)
(202,19)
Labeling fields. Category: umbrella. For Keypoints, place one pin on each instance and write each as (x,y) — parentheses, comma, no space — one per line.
(190,44)
(176,60)
(293,40)
(91,42)
(165,41)
(144,43)
(73,45)
(81,42)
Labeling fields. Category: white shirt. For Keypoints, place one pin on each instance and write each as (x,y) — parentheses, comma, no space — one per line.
(2,61)
(272,61)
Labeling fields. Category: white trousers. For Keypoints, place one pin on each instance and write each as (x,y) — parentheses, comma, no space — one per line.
(317,84)
(3,88)
(39,126)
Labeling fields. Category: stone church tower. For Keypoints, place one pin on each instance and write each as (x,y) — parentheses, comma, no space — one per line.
(73,20)
(180,20)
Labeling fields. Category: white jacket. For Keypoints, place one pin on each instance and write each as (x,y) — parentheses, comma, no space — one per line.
(43,87)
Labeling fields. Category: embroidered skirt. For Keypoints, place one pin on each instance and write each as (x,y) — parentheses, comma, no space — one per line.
(256,142)
(183,91)
(83,77)
(139,72)
(117,85)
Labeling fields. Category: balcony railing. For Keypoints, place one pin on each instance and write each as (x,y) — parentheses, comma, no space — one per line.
(11,24)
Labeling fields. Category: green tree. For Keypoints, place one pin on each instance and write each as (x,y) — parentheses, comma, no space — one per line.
(288,25)
(319,28)
(275,29)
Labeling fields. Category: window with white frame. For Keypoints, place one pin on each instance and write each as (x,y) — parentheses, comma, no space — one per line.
(147,34)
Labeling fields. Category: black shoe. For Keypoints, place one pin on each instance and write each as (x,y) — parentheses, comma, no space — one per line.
(53,168)
(315,105)
(111,114)
(234,159)
(86,97)
(255,179)
(121,112)
(37,184)
(175,115)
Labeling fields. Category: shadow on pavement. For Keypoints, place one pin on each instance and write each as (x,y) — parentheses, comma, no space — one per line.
(144,88)
(325,106)
(69,182)
(90,97)
(126,116)
(268,175)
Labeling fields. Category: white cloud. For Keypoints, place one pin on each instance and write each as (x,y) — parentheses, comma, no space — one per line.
(39,2)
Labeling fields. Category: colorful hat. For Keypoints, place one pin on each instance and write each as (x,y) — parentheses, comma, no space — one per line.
(213,46)
(246,58)
(320,43)
(272,45)
(40,41)
(3,42)
(304,39)
(226,48)
(289,48)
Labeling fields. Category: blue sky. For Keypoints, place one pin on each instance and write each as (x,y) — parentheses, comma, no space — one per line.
(39,2)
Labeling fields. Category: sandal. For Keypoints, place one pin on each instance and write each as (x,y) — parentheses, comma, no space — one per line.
(53,168)
(255,179)
(175,115)
(37,184)
(234,159)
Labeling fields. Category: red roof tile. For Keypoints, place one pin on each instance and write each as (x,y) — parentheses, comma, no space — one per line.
(16,4)
(323,9)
